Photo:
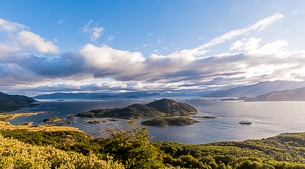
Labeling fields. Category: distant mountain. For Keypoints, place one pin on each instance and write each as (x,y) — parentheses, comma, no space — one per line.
(14,102)
(285,95)
(96,95)
(257,89)
(125,95)
(163,107)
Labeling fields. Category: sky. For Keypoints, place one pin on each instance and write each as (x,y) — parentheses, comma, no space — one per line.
(51,46)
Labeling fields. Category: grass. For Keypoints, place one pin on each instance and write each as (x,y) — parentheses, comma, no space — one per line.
(5,124)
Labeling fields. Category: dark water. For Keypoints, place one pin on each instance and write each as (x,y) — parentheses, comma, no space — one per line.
(268,119)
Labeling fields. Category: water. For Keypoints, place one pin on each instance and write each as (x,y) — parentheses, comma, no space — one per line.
(268,119)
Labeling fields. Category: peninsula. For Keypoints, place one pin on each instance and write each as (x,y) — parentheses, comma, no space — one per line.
(14,102)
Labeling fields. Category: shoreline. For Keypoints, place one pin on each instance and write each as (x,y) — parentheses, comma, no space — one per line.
(6,125)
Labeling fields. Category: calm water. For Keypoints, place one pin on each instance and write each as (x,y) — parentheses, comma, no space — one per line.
(268,119)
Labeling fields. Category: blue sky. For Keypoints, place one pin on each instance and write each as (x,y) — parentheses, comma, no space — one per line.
(96,46)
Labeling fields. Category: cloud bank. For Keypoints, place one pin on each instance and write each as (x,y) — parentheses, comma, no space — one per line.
(29,62)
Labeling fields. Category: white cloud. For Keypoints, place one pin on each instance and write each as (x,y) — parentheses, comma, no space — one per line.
(61,21)
(27,39)
(110,38)
(108,61)
(183,69)
(252,46)
(93,29)
(258,26)
(18,38)
(9,26)
(96,33)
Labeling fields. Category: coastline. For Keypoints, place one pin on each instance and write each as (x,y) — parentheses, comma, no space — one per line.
(6,117)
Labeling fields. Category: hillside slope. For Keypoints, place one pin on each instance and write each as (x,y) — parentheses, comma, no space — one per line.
(16,154)
(14,102)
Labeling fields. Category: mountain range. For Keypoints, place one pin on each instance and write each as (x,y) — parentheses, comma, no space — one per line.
(257,89)
(253,90)
(284,95)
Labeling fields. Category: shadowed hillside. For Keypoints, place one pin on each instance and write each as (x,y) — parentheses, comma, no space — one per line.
(14,102)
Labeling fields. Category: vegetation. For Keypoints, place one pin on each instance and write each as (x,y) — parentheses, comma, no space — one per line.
(133,149)
(163,107)
(53,119)
(16,154)
(14,102)
(129,147)
(169,121)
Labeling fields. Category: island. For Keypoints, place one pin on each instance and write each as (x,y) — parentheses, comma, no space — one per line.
(95,121)
(53,119)
(157,108)
(170,121)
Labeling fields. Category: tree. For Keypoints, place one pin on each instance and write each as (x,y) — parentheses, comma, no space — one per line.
(132,148)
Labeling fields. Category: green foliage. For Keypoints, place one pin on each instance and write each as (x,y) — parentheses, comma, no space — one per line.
(64,140)
(281,152)
(53,119)
(132,148)
(157,108)
(173,108)
(15,154)
(169,121)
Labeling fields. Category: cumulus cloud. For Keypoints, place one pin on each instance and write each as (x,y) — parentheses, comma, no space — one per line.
(93,29)
(27,39)
(18,38)
(106,61)
(9,26)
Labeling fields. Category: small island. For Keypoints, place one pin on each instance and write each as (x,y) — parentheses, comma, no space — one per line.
(170,121)
(53,119)
(95,121)
(163,107)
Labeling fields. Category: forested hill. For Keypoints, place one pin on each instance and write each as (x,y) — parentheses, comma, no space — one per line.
(163,107)
(14,102)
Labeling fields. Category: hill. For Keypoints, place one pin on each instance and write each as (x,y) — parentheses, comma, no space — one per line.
(257,89)
(285,95)
(14,102)
(163,107)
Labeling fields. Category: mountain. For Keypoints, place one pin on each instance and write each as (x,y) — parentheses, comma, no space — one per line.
(124,95)
(14,102)
(285,95)
(58,96)
(257,89)
(163,107)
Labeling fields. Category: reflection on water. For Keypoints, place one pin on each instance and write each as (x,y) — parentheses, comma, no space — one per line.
(268,119)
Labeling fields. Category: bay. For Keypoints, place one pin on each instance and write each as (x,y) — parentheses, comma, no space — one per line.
(268,119)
